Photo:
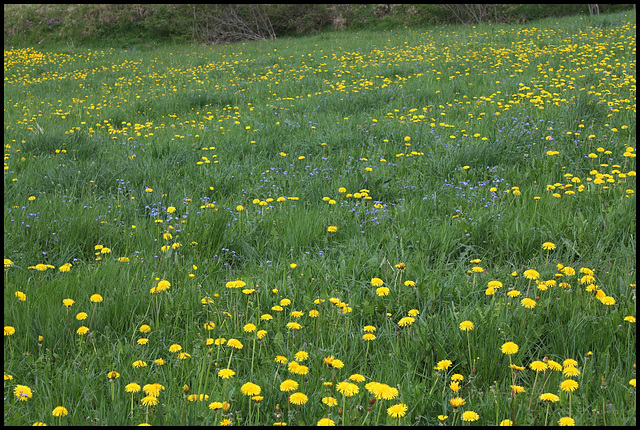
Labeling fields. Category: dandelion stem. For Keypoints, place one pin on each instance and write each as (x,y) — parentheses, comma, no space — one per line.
(206,380)
(204,363)
(470,361)
(533,390)
(237,309)
(350,409)
(229,364)
(68,325)
(253,350)
(379,410)
(344,401)
(546,416)
(366,353)
(95,305)
(545,382)
(528,286)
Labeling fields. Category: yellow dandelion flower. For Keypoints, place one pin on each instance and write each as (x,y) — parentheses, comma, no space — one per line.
(457,402)
(538,366)
(608,300)
(149,401)
(470,416)
(226,373)
(549,397)
(443,365)
(329,401)
(288,385)
(347,389)
(554,365)
(235,343)
(406,321)
(494,284)
(356,377)
(548,246)
(337,364)
(571,371)
(509,348)
(215,405)
(22,392)
(382,291)
(250,389)
(397,411)
(298,398)
(132,388)
(528,303)
(60,411)
(466,326)
(301,356)
(569,385)
(293,326)
(566,421)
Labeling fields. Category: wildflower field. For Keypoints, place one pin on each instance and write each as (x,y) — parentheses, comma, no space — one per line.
(412,227)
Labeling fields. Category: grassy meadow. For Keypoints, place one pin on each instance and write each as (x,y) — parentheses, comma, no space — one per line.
(412,227)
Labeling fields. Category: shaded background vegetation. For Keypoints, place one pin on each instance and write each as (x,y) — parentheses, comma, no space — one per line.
(131,24)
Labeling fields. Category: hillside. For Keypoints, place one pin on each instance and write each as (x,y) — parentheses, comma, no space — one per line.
(130,24)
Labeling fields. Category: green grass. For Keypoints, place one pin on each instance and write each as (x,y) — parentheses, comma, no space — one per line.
(430,148)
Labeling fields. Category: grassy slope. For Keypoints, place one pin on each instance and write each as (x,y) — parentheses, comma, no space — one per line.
(128,119)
